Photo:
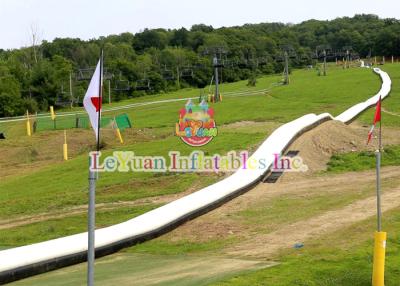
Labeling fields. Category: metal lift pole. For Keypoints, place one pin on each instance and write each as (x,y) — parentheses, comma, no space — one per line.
(215,63)
(286,67)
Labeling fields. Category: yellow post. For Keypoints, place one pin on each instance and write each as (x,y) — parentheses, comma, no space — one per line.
(378,273)
(28,124)
(118,132)
(53,115)
(65,147)
(119,135)
(220,97)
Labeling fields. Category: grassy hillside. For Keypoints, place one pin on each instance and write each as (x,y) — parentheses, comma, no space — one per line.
(43,186)
(53,184)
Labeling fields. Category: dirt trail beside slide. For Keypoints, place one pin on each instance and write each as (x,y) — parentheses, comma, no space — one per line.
(390,112)
(287,236)
(195,269)
(146,269)
(82,209)
(221,222)
(316,147)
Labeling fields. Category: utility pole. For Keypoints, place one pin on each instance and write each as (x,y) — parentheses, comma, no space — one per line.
(347,59)
(286,80)
(70,89)
(324,62)
(215,64)
(177,76)
(109,91)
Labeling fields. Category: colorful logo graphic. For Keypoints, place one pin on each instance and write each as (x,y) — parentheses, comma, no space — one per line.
(196,125)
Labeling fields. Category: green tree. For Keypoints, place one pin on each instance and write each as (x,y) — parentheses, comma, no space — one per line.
(10,96)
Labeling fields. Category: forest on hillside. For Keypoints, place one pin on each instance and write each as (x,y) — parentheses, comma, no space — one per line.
(159,60)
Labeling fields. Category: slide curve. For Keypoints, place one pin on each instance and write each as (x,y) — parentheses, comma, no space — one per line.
(24,261)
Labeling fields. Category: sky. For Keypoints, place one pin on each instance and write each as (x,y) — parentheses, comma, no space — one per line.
(87,19)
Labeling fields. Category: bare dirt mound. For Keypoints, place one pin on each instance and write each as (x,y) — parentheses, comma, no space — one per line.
(319,144)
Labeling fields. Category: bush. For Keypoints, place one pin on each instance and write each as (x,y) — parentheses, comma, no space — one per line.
(252,80)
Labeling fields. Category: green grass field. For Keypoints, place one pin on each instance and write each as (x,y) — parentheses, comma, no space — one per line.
(52,186)
(359,161)
(34,193)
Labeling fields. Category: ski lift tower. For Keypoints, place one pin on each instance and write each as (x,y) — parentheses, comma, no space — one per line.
(217,62)
(61,100)
(85,74)
(322,53)
(369,61)
(287,52)
(347,50)
(216,65)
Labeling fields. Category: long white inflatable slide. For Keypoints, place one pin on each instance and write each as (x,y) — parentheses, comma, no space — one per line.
(24,261)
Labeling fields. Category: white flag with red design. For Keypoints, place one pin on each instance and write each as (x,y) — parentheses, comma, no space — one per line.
(93,98)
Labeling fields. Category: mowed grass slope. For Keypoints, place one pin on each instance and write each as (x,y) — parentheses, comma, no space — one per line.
(57,185)
(341,258)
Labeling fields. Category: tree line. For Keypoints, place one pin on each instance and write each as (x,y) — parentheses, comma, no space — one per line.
(160,60)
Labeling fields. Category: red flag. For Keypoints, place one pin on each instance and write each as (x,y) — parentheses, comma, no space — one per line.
(377,118)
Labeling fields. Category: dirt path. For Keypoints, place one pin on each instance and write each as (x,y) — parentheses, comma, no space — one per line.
(76,210)
(287,236)
(391,113)
(221,222)
(143,269)
(196,270)
(315,147)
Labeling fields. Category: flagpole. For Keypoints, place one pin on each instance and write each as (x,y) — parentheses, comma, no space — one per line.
(91,228)
(100,100)
(378,190)
(378,272)
(378,171)
(93,176)
(380,130)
